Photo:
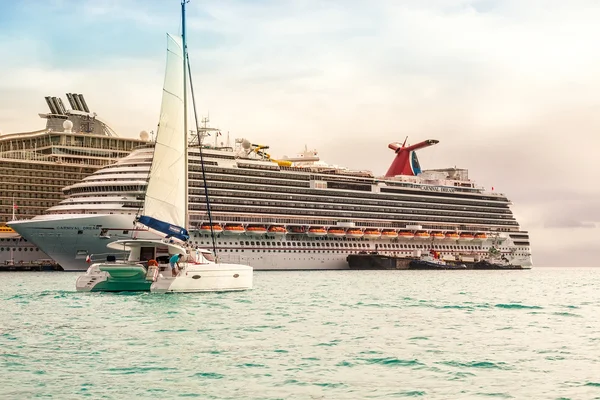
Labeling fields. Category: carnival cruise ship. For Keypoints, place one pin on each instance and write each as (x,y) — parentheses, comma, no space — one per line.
(291,214)
(35,166)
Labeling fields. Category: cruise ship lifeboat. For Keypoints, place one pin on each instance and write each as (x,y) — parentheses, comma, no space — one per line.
(316,231)
(405,235)
(389,234)
(466,236)
(336,232)
(452,236)
(481,236)
(7,232)
(354,233)
(438,235)
(233,229)
(205,228)
(296,230)
(371,233)
(256,230)
(277,230)
(422,235)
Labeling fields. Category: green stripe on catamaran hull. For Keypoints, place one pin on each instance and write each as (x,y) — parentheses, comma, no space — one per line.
(122,286)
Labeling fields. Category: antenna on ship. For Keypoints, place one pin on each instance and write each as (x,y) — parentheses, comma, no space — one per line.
(14,209)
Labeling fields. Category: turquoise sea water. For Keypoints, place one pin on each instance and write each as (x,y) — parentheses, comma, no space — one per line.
(309,335)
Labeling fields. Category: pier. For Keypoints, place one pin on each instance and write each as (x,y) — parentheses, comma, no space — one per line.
(48,265)
(374,261)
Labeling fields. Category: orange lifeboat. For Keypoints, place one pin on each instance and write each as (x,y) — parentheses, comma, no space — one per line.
(389,234)
(354,232)
(234,229)
(277,230)
(315,231)
(466,236)
(256,230)
(205,228)
(405,235)
(438,235)
(370,233)
(336,232)
(481,236)
(7,232)
(452,236)
(422,235)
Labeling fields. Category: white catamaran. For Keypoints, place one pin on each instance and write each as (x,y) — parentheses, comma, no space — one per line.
(148,266)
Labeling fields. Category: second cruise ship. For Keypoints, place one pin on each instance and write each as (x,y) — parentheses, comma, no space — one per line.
(36,165)
(295,214)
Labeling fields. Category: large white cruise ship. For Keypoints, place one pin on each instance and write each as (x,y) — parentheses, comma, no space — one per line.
(292,214)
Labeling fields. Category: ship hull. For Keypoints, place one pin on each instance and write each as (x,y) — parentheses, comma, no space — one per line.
(69,239)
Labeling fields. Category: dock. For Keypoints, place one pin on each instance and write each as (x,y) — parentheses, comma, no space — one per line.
(374,261)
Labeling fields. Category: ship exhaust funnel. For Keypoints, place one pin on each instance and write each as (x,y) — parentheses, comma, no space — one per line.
(406,161)
(51,105)
(56,106)
(83,103)
(61,106)
(78,102)
(71,101)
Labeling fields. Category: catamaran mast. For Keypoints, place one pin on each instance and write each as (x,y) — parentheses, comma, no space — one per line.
(185,146)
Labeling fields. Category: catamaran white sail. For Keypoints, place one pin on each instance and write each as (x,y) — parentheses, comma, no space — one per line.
(165,211)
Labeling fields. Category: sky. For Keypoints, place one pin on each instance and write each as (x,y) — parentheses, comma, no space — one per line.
(510,88)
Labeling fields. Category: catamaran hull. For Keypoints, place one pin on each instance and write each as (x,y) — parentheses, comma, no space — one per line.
(207,278)
(103,277)
(195,278)
(105,285)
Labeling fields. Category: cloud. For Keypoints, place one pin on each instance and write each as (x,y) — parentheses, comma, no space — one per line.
(569,223)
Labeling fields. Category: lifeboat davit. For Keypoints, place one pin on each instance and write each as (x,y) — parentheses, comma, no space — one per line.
(205,228)
(481,236)
(235,229)
(336,232)
(422,235)
(438,235)
(256,230)
(405,235)
(452,236)
(354,233)
(389,234)
(371,233)
(466,236)
(277,230)
(316,231)
(296,230)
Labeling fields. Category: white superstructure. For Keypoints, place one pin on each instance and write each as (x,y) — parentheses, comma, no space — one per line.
(289,214)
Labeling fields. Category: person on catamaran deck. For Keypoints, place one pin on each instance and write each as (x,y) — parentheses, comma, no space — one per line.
(175,260)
